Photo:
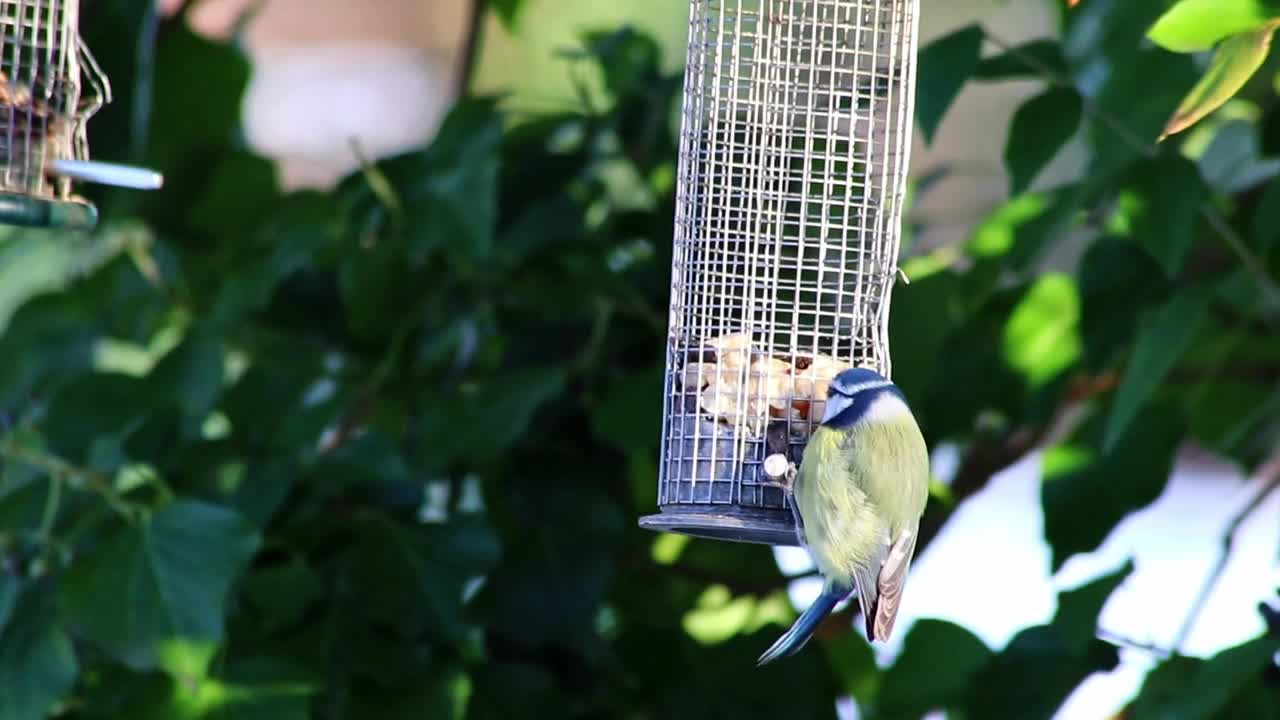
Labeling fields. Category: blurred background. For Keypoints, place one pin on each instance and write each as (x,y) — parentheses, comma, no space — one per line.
(355,417)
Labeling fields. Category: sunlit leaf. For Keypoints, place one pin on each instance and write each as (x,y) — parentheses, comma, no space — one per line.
(1042,337)
(1192,25)
(1234,62)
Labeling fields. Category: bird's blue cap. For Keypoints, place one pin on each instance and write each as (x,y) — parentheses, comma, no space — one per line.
(855,380)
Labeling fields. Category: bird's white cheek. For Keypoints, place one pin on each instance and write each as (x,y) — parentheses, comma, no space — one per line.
(886,407)
(836,404)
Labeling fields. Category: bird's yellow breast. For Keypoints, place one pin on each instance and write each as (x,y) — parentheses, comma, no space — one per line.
(857,488)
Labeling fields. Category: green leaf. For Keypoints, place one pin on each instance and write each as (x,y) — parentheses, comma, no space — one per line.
(93,408)
(508,11)
(629,414)
(37,661)
(164,579)
(241,191)
(1084,494)
(1167,334)
(854,662)
(1079,608)
(34,262)
(1265,229)
(281,594)
(1117,281)
(1029,60)
(917,683)
(1126,78)
(943,67)
(481,425)
(1203,689)
(191,376)
(1039,130)
(414,576)
(1017,233)
(192,116)
(1034,674)
(452,202)
(1042,337)
(1192,25)
(1159,206)
(1234,62)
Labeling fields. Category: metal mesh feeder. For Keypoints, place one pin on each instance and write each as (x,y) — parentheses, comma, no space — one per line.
(50,86)
(794,149)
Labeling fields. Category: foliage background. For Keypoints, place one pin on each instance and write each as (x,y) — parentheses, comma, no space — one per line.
(259,447)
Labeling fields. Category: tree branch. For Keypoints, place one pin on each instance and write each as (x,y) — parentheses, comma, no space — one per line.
(471,46)
(1269,475)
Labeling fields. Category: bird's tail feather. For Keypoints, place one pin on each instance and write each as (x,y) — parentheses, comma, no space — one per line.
(802,629)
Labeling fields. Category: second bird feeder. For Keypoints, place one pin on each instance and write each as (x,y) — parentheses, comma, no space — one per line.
(794,150)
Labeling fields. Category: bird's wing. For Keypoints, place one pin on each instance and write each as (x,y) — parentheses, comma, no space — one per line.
(889,584)
(867,578)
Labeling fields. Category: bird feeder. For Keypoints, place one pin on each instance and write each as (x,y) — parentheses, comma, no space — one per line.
(794,149)
(50,86)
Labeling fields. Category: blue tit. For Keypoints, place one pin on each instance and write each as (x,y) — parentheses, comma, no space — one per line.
(858,495)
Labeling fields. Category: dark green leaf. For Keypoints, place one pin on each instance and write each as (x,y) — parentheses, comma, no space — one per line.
(629,414)
(162,580)
(412,578)
(241,191)
(1040,128)
(453,205)
(1078,609)
(92,408)
(480,425)
(1034,674)
(192,116)
(37,661)
(917,683)
(190,376)
(282,593)
(1160,202)
(1266,219)
(508,11)
(944,66)
(1029,60)
(1166,335)
(1086,494)
(1117,282)
(1202,689)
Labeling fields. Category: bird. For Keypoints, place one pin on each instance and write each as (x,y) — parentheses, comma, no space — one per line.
(858,496)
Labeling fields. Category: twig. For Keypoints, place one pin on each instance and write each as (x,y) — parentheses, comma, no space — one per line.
(1269,474)
(1126,642)
(56,467)
(471,46)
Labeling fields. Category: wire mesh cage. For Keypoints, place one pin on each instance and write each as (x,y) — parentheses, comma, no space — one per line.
(50,86)
(794,150)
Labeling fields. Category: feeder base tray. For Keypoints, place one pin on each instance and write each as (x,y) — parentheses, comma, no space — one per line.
(766,527)
(29,211)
